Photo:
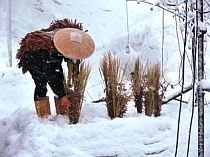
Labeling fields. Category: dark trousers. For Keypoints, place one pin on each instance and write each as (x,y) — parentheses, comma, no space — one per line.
(45,68)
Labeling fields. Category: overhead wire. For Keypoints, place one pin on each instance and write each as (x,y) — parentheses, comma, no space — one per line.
(194,53)
(162,49)
(180,20)
(178,42)
(183,79)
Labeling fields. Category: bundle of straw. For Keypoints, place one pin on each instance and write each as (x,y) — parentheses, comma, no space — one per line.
(137,84)
(153,100)
(78,75)
(116,95)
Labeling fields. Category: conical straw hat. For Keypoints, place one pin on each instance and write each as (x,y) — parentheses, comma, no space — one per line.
(74,43)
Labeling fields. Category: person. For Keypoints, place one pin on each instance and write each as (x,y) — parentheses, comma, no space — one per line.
(38,55)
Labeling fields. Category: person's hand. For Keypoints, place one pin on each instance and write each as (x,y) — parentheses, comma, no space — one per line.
(65,101)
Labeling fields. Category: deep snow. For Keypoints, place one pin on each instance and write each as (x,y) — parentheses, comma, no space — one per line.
(23,134)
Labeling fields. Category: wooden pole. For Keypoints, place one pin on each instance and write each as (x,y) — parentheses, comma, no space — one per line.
(200,78)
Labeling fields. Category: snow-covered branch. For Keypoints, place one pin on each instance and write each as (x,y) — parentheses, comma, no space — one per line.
(173,8)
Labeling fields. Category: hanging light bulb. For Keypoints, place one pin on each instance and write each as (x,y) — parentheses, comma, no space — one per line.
(127,49)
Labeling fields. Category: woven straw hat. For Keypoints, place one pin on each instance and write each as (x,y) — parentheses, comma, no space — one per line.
(74,43)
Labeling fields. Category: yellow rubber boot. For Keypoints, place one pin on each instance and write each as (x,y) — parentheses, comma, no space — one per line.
(42,106)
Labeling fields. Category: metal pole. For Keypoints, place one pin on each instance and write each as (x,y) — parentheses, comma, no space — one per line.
(9,32)
(200,77)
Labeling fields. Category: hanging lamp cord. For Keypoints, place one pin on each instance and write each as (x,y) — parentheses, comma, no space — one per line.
(128,33)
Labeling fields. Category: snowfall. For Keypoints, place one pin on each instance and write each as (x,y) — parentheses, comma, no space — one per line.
(23,134)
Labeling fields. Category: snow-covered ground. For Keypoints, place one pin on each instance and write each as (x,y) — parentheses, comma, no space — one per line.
(23,134)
